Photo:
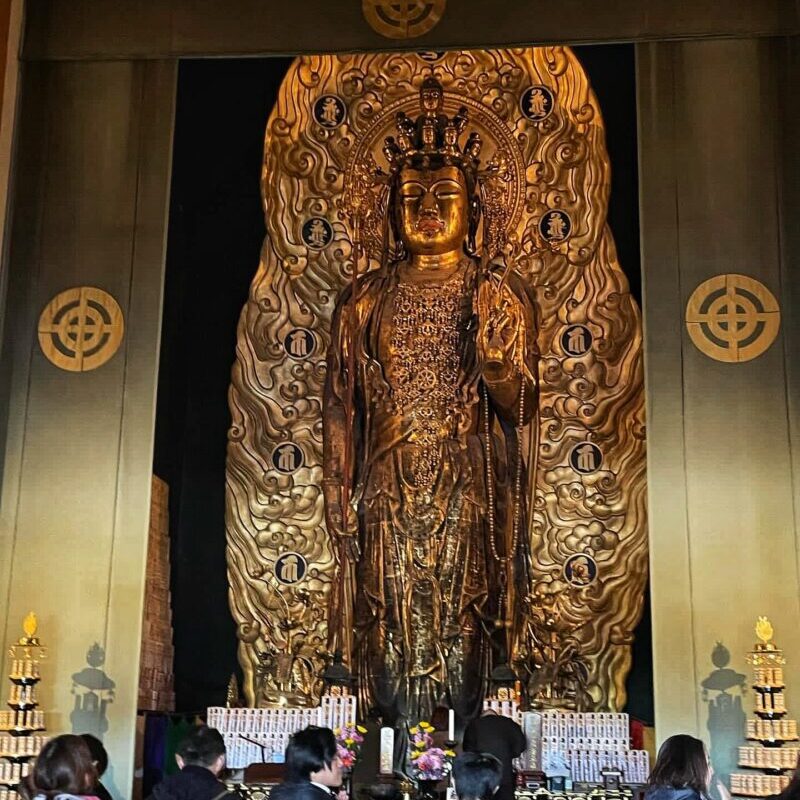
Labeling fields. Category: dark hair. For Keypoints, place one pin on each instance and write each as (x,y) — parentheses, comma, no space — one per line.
(99,754)
(477,775)
(64,766)
(201,747)
(792,791)
(309,750)
(681,762)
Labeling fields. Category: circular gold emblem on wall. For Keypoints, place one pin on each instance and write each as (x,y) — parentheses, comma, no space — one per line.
(732,318)
(81,328)
(403,20)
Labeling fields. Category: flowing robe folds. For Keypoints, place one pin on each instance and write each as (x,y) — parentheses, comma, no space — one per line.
(419,612)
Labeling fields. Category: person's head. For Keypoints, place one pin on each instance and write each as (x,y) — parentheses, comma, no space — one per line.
(202,747)
(682,761)
(99,754)
(792,791)
(311,756)
(64,766)
(477,775)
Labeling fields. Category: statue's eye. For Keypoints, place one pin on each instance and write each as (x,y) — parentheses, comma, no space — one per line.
(447,189)
(411,192)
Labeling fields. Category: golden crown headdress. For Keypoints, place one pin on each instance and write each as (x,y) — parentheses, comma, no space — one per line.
(432,137)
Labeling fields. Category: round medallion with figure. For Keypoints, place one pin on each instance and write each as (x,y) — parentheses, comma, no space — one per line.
(537,103)
(576,340)
(317,233)
(585,458)
(299,344)
(290,568)
(287,458)
(580,570)
(330,111)
(555,226)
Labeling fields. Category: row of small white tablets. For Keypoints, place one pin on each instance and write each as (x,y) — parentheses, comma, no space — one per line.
(15,746)
(13,771)
(758,785)
(579,725)
(22,720)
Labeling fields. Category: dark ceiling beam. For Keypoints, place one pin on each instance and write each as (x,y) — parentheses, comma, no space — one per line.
(124,29)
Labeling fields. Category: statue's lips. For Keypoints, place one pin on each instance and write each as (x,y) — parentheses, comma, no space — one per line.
(430,225)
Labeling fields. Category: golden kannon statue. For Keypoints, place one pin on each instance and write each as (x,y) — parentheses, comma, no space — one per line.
(446,346)
(431,378)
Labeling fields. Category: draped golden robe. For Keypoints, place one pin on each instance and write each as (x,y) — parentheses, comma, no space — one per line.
(431,596)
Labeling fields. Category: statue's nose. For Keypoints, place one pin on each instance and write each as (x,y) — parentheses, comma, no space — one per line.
(428,202)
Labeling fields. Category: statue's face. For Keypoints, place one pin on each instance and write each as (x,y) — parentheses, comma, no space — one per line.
(431,99)
(433,210)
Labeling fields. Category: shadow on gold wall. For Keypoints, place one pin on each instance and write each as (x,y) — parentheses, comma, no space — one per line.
(722,690)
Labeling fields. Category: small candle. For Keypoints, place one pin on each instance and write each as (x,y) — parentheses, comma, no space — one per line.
(451,725)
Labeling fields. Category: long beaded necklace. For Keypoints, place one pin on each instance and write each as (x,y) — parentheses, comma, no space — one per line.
(506,559)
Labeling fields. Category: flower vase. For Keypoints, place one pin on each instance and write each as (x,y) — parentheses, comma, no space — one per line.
(426,789)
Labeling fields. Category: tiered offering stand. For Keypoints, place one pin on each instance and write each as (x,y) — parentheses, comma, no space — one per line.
(770,731)
(22,727)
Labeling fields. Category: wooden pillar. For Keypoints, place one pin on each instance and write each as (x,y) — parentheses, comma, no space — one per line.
(722,437)
(90,209)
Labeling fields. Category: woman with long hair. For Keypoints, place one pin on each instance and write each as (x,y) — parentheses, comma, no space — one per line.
(682,772)
(64,770)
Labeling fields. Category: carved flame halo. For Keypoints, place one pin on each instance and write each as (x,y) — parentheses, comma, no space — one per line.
(579,636)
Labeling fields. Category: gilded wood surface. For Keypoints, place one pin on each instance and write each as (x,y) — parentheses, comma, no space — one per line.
(587,531)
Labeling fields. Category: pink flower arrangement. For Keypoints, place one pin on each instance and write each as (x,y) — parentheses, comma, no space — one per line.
(349,739)
(430,763)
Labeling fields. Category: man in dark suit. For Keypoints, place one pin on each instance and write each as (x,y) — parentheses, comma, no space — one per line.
(313,767)
(503,738)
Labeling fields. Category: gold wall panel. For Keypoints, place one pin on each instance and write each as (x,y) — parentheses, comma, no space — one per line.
(588,483)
